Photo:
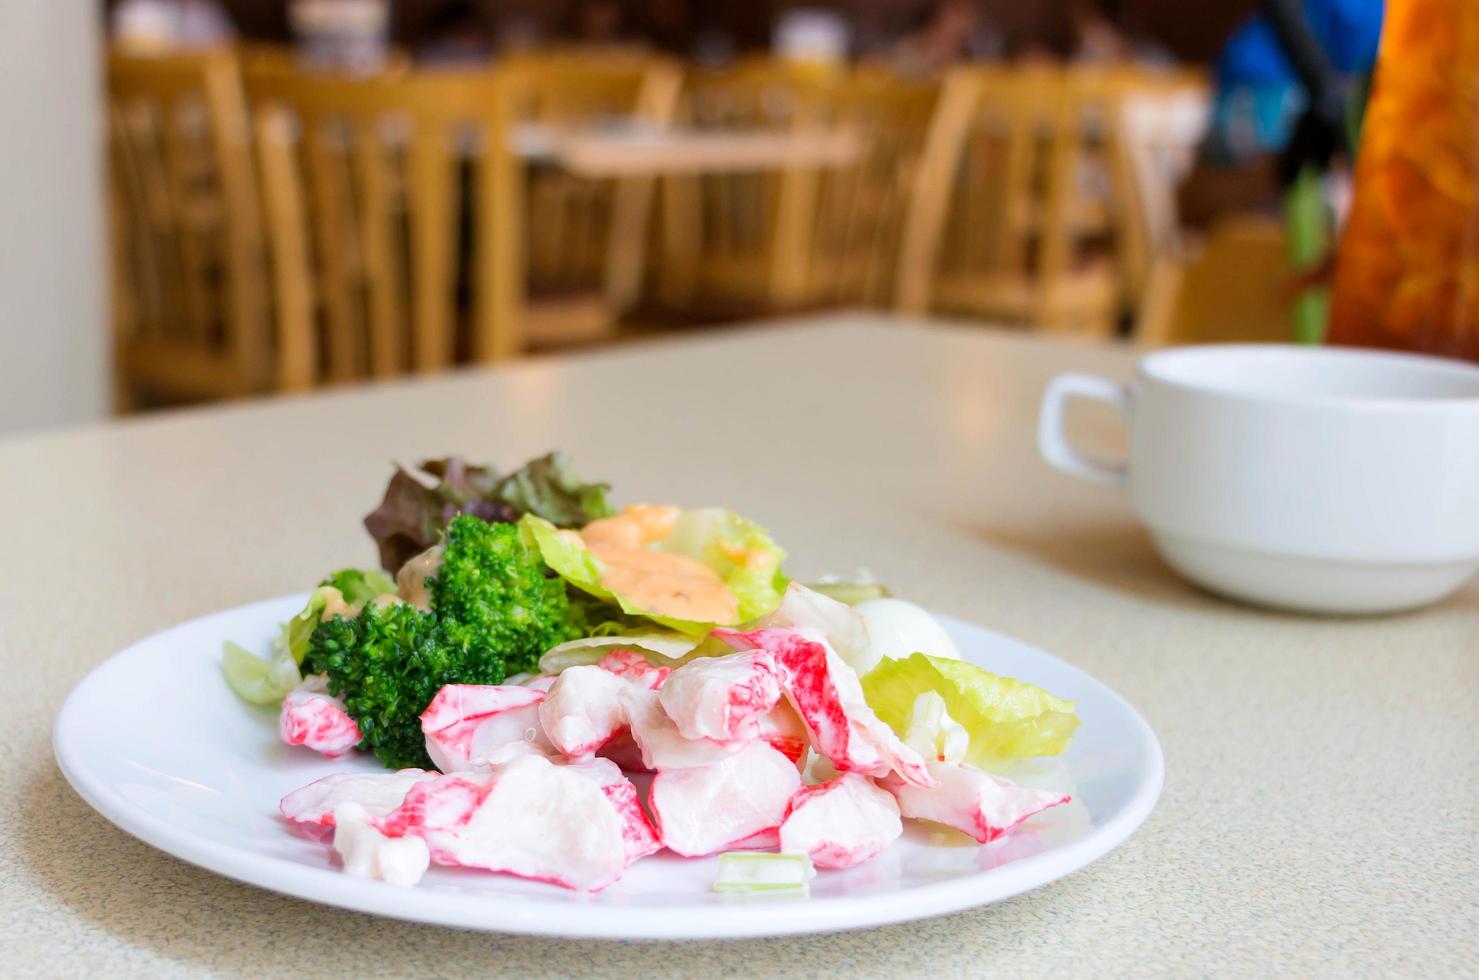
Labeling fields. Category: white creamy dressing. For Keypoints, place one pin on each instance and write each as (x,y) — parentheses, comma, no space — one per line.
(410,581)
(336,605)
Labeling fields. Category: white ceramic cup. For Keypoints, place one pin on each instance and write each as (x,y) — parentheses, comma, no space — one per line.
(1313,478)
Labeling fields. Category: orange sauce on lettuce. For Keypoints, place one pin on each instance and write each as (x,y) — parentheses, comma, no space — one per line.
(658,582)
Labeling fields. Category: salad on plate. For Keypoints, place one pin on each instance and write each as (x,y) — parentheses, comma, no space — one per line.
(558,689)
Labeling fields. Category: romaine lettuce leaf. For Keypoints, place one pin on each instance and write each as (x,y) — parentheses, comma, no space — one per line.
(258,681)
(358,586)
(1006,718)
(739,551)
(663,648)
(851,593)
(296,632)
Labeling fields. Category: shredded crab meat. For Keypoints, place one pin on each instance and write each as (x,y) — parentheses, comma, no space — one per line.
(541,821)
(845,631)
(522,790)
(444,803)
(484,820)
(378,792)
(312,718)
(840,823)
(583,710)
(781,727)
(826,694)
(637,831)
(662,745)
(723,698)
(631,665)
(368,853)
(540,682)
(726,804)
(973,802)
(465,723)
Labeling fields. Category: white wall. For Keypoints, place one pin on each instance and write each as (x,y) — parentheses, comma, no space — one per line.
(53,335)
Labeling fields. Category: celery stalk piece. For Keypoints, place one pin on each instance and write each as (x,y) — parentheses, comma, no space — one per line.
(750,873)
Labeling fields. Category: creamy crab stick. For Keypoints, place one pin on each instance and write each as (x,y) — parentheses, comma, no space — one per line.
(528,786)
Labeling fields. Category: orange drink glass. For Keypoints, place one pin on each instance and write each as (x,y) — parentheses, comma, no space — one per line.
(1407,274)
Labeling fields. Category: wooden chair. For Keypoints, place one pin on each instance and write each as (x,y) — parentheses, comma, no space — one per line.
(1160,119)
(192,321)
(584,239)
(275,56)
(1002,222)
(861,208)
(743,241)
(365,186)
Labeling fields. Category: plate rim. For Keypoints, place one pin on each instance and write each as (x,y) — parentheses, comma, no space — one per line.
(532,916)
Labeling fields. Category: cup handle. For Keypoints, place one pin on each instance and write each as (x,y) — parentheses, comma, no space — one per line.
(1054,445)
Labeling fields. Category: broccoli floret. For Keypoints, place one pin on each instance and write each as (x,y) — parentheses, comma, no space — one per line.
(494,610)
(494,582)
(388,663)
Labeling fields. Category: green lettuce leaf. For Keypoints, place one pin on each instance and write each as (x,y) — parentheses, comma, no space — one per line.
(260,681)
(662,648)
(739,551)
(1006,718)
(419,503)
(255,680)
(546,488)
(851,593)
(358,586)
(296,632)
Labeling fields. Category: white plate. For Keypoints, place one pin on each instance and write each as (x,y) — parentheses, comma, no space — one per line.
(155,741)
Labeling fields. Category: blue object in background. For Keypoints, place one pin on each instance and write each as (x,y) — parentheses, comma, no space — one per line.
(1258,94)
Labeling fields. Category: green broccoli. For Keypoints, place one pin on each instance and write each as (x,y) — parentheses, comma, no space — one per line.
(494,611)
(492,580)
(388,663)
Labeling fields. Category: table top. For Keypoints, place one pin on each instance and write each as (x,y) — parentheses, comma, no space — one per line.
(647,151)
(1319,814)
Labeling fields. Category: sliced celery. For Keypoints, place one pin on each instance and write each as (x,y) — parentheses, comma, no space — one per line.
(750,873)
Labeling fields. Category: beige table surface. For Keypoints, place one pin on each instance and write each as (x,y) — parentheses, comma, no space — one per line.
(1322,785)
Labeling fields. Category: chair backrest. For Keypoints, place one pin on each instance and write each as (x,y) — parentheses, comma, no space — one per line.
(583,234)
(861,207)
(578,86)
(365,183)
(1161,119)
(186,225)
(746,235)
(998,193)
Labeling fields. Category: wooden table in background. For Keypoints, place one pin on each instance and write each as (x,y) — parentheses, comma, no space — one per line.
(1321,774)
(629,151)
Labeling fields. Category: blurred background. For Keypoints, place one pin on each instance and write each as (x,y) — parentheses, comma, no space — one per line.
(211,199)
